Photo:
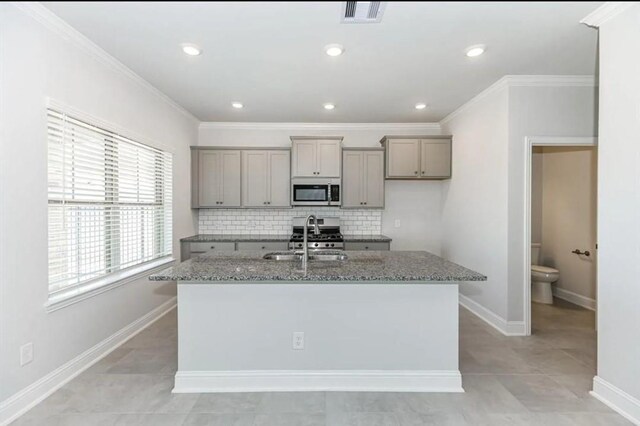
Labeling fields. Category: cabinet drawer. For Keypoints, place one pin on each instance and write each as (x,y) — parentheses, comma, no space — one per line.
(367,246)
(263,245)
(205,247)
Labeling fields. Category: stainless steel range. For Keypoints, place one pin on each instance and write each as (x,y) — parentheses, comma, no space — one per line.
(329,237)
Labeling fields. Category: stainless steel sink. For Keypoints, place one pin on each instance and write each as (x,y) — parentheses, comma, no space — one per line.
(328,256)
(282,256)
(288,256)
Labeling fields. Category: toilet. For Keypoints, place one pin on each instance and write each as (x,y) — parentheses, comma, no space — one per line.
(541,278)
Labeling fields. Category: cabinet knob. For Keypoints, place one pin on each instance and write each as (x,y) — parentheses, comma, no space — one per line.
(366,247)
(416,172)
(423,172)
(263,247)
(365,203)
(213,247)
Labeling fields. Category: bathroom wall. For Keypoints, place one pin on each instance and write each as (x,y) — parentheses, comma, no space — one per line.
(564,207)
(536,195)
(569,200)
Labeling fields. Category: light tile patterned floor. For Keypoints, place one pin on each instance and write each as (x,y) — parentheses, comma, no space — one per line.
(539,380)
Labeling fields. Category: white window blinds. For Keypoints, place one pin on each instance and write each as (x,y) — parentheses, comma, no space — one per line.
(109,203)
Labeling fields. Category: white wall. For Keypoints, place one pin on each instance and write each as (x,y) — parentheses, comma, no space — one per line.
(538,111)
(618,213)
(569,197)
(38,61)
(483,205)
(415,204)
(474,201)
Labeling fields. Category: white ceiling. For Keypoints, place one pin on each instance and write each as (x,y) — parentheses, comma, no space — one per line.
(270,55)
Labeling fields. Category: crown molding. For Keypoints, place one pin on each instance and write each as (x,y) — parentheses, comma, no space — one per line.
(54,23)
(606,12)
(317,126)
(524,81)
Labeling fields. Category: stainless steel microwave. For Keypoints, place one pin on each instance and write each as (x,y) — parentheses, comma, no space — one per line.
(315,192)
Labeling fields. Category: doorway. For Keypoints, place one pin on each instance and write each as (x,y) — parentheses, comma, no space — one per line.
(570,229)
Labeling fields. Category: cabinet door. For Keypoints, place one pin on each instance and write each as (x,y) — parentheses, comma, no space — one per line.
(304,158)
(352,179)
(230,164)
(403,158)
(279,179)
(209,179)
(373,180)
(255,180)
(435,158)
(328,157)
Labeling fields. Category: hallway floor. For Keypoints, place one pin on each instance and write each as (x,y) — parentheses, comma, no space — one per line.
(539,380)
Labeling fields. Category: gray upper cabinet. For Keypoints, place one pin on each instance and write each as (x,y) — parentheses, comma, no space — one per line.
(417,157)
(403,158)
(265,178)
(435,158)
(316,157)
(215,178)
(363,178)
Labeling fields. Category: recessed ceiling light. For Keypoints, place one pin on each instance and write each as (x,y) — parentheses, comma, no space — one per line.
(191,49)
(421,105)
(329,106)
(237,105)
(334,49)
(474,51)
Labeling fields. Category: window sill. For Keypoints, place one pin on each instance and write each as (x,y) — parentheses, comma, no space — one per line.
(110,282)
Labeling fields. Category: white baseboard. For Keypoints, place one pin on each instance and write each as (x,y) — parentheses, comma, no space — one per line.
(574,298)
(318,380)
(508,328)
(617,399)
(18,404)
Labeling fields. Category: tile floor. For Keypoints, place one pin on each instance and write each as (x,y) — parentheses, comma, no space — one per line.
(539,380)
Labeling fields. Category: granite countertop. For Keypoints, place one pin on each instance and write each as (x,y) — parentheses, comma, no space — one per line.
(367,238)
(379,266)
(209,238)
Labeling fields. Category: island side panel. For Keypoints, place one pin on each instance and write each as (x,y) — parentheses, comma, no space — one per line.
(382,337)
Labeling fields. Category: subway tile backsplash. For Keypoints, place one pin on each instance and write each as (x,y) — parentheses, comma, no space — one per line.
(278,221)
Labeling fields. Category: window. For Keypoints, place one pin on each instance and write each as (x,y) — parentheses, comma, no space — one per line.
(109,204)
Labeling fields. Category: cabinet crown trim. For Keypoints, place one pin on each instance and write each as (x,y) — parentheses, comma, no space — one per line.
(384,139)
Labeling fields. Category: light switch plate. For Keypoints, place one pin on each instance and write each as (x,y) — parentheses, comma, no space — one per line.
(26,354)
(396,223)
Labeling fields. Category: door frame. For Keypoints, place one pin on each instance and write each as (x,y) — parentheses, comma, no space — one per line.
(529,143)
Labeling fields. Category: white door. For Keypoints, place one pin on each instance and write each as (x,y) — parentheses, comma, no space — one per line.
(255,178)
(352,175)
(328,155)
(279,179)
(304,158)
(373,178)
(403,157)
(435,158)
(230,164)
(209,184)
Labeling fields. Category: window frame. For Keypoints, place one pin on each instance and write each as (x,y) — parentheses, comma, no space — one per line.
(59,298)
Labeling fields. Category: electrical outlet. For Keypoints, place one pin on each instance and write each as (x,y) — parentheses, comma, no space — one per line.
(26,354)
(298,340)
(396,223)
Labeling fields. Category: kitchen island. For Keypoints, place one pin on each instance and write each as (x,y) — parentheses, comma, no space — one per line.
(378,321)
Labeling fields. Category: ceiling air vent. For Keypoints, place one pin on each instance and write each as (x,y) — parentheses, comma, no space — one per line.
(358,12)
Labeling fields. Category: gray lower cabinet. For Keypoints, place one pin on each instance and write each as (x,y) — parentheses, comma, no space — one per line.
(189,249)
(262,245)
(374,245)
(363,178)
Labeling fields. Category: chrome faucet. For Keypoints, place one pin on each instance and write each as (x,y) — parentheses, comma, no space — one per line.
(305,233)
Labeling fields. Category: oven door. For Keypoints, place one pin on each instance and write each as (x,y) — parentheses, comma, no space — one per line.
(307,194)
